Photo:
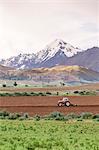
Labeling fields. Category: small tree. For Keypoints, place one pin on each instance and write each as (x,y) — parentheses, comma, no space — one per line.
(15,84)
(4,85)
(62,84)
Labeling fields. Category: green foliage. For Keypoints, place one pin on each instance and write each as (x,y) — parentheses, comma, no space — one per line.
(2,117)
(56,116)
(97,119)
(96,116)
(4,94)
(26,85)
(85,92)
(12,116)
(86,115)
(23,94)
(48,93)
(57,93)
(72,116)
(52,116)
(79,119)
(22,118)
(37,117)
(41,94)
(4,113)
(48,135)
(26,115)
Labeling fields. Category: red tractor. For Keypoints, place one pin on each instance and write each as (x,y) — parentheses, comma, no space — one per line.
(65,102)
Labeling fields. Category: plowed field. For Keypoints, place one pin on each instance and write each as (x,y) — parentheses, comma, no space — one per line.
(43,105)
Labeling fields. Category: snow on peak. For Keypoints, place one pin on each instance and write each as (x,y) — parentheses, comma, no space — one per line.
(20,60)
(56,46)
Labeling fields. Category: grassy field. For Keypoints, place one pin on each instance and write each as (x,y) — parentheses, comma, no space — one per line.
(48,135)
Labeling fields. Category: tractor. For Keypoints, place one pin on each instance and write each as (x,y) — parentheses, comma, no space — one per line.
(65,102)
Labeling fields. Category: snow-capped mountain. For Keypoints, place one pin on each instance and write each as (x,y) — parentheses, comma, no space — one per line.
(26,61)
(22,61)
(54,54)
(57,46)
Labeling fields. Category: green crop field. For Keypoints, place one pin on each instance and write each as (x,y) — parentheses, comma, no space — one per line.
(48,135)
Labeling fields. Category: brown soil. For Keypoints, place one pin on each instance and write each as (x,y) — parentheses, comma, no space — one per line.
(43,105)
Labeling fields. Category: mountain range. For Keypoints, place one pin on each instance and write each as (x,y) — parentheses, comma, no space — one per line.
(57,62)
(54,54)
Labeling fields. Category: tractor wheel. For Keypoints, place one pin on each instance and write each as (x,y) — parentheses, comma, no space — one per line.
(60,104)
(67,104)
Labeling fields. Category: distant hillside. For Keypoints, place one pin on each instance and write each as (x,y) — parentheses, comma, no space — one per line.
(4,71)
(5,68)
(66,74)
(88,59)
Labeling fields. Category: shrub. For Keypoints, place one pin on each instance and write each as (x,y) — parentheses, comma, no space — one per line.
(37,117)
(15,84)
(86,115)
(66,118)
(22,118)
(72,116)
(76,92)
(59,118)
(41,94)
(56,116)
(17,115)
(3,85)
(2,117)
(49,93)
(25,94)
(12,116)
(32,93)
(4,113)
(25,115)
(95,116)
(97,119)
(17,94)
(81,93)
(1,113)
(30,118)
(79,119)
(57,93)
(3,94)
(8,94)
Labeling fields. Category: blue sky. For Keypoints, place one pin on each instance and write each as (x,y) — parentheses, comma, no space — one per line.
(27,26)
